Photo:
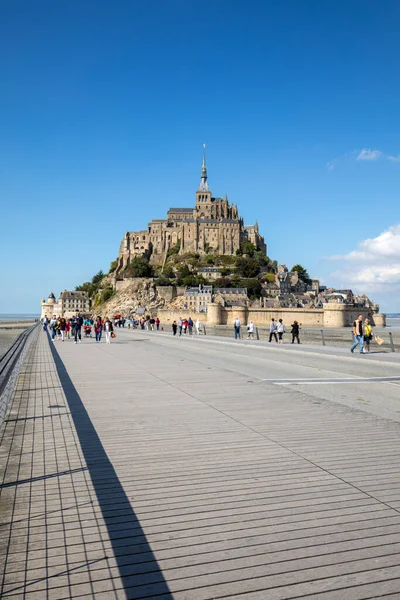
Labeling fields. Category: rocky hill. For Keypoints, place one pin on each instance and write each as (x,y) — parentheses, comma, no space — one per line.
(137,293)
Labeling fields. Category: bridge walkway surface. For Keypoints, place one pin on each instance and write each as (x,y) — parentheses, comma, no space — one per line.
(199,469)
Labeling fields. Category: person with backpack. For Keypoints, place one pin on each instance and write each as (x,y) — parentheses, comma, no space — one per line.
(280,331)
(190,325)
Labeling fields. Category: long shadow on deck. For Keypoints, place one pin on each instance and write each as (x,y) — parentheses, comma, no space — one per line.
(139,571)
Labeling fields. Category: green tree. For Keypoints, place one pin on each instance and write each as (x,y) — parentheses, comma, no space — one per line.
(253,287)
(246,248)
(139,267)
(98,277)
(269,277)
(113,266)
(247,267)
(303,275)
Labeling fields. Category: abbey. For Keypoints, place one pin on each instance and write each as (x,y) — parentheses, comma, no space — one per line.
(212,226)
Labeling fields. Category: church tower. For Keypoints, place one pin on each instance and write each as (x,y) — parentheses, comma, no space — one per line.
(203,194)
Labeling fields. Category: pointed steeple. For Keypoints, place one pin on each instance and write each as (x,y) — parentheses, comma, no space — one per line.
(203,187)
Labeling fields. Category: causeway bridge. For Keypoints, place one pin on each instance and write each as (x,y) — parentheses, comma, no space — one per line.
(199,468)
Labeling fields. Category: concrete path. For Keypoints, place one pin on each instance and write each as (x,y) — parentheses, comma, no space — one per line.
(192,469)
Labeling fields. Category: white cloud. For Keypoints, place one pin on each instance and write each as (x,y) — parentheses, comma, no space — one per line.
(367,154)
(375,262)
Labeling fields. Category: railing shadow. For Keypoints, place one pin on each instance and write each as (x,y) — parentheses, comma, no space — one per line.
(138,568)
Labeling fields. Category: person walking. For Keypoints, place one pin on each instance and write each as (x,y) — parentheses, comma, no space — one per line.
(98,329)
(280,330)
(190,325)
(197,326)
(108,328)
(368,335)
(272,330)
(62,326)
(78,328)
(358,334)
(174,328)
(45,323)
(53,327)
(158,324)
(295,332)
(180,325)
(68,329)
(236,328)
(250,331)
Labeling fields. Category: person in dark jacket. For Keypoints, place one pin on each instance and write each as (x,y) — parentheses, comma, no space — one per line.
(78,328)
(295,332)
(174,327)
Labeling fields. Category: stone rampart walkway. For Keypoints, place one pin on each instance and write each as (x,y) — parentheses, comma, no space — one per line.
(135,470)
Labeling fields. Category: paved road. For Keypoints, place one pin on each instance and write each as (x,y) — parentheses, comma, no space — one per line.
(175,469)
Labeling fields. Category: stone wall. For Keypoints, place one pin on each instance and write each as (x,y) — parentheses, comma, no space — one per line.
(332,315)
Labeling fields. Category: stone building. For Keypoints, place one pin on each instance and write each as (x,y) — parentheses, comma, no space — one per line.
(67,305)
(213,225)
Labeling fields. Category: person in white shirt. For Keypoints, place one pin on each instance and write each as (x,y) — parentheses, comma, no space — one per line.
(250,331)
(280,330)
(197,326)
(272,330)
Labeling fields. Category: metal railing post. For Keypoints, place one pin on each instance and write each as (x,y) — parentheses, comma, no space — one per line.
(204,330)
(391,342)
(323,337)
(257,334)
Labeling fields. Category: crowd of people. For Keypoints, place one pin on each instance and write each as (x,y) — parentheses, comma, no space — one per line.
(77,327)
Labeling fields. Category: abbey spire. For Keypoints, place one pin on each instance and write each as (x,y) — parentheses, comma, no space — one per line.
(203,187)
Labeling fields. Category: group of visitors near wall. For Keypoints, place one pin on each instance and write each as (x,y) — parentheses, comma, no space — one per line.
(186,327)
(276,330)
(77,327)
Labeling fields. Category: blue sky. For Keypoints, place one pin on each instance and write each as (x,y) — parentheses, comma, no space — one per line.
(105,106)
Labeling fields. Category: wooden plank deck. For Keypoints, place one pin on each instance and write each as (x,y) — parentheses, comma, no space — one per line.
(135,470)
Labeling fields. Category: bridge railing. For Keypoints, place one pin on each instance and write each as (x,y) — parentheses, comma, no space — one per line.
(10,366)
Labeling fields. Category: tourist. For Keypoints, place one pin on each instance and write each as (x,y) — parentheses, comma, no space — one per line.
(272,330)
(78,328)
(295,332)
(180,325)
(184,325)
(45,323)
(67,328)
(190,326)
(108,329)
(358,334)
(158,324)
(62,327)
(280,330)
(236,328)
(98,329)
(53,327)
(152,323)
(174,328)
(198,326)
(368,335)
(250,331)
